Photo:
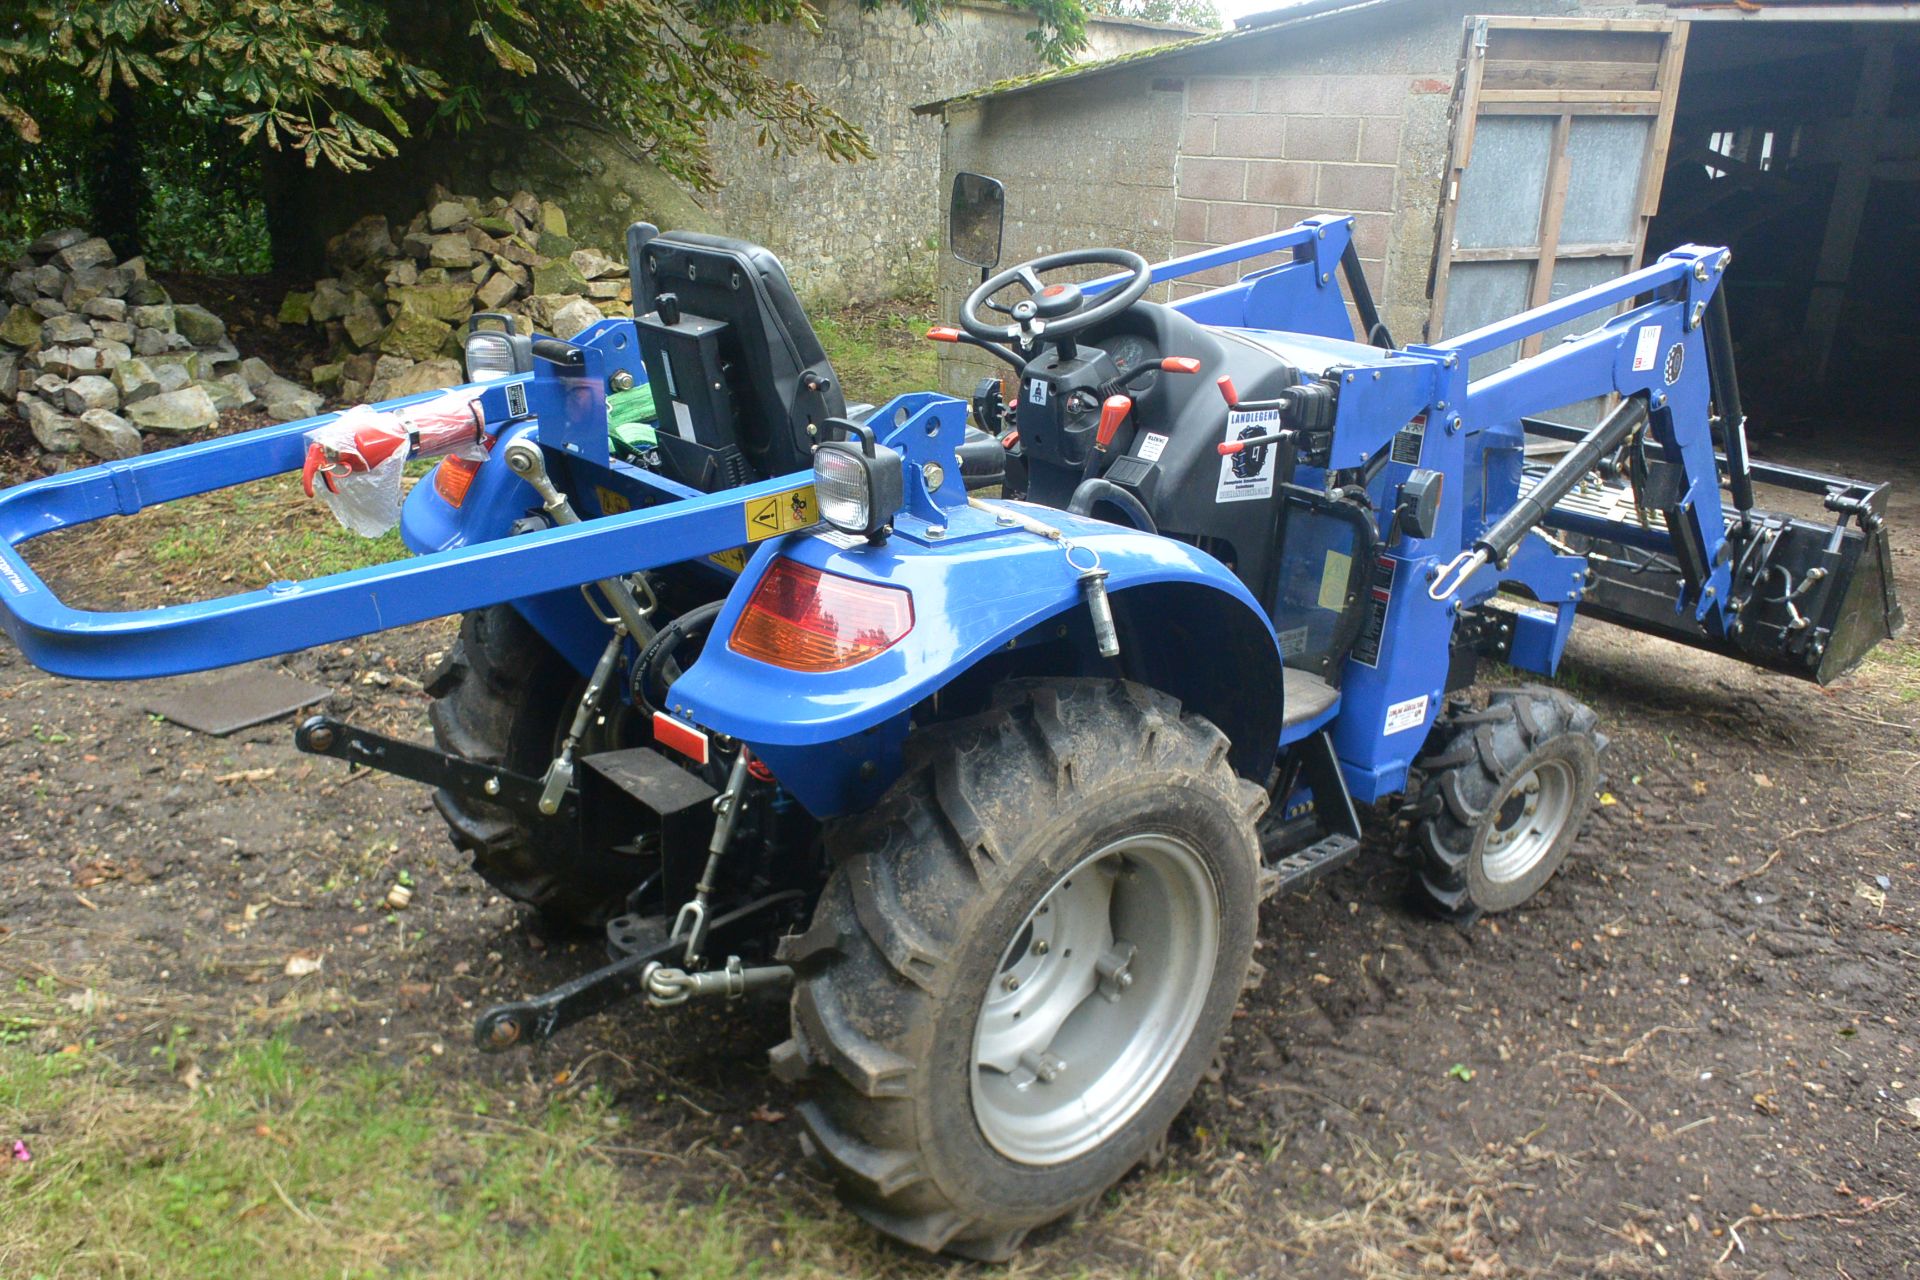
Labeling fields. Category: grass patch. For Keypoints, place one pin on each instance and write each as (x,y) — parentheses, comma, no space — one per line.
(880,350)
(270,1167)
(213,544)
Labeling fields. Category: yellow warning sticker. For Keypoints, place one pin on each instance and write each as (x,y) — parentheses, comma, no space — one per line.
(1333,581)
(781,513)
(734,558)
(611,503)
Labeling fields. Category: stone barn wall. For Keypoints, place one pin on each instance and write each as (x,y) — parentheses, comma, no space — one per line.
(870,230)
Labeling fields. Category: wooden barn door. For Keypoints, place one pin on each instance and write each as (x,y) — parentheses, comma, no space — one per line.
(1560,132)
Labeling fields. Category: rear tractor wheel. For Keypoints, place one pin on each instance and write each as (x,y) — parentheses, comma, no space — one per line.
(1507,789)
(505,697)
(1023,961)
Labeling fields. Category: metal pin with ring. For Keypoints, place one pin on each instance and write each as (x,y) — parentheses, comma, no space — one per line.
(1093,583)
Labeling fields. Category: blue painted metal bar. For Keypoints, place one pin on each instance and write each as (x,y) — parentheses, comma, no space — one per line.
(1295,237)
(1502,332)
(287,616)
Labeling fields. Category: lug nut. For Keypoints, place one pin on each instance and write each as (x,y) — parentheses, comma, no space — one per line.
(1040,946)
(1010,982)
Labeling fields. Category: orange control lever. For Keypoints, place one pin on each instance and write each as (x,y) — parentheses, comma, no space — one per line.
(1227,393)
(1112,414)
(943,333)
(1180,364)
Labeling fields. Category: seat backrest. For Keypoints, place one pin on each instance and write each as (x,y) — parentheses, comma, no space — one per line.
(745,377)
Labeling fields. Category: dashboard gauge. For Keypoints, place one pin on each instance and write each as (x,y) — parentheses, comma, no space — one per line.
(1128,353)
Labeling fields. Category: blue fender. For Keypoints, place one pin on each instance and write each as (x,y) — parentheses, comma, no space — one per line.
(834,739)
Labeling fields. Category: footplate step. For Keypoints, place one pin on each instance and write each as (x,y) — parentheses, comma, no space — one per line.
(1297,870)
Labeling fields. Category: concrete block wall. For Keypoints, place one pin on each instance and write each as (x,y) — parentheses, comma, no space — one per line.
(1344,116)
(1258,153)
(1082,170)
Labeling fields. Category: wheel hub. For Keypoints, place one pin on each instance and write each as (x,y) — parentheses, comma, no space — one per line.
(1528,821)
(1094,999)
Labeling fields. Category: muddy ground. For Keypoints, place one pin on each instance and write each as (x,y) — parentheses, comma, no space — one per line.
(1697,1052)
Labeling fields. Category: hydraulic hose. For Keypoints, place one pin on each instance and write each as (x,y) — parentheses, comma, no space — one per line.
(664,643)
(1096,489)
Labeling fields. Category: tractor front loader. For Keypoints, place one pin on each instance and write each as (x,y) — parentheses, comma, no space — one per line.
(984,727)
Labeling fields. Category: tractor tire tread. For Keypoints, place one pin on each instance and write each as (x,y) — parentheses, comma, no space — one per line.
(1467,759)
(497,671)
(908,876)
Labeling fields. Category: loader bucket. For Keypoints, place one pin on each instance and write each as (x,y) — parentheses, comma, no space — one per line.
(1808,598)
(1867,612)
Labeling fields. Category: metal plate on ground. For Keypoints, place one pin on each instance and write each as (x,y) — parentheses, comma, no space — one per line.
(236,701)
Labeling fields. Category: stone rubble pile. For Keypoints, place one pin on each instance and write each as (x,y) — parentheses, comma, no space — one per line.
(396,308)
(93,354)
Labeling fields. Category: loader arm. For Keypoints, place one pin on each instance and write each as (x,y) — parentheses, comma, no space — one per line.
(1665,550)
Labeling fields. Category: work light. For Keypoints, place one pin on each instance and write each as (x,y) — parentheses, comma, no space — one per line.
(493,354)
(859,486)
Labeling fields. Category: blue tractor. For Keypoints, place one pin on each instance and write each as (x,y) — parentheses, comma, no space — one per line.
(986,727)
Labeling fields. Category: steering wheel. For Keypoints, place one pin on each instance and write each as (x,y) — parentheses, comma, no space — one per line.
(1061,310)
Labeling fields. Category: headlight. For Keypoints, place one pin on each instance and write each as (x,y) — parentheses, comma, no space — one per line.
(859,486)
(493,354)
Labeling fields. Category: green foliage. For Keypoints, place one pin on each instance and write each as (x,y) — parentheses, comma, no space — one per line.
(346,82)
(271,1167)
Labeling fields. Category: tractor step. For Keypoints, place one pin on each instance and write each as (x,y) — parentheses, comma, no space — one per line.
(1297,870)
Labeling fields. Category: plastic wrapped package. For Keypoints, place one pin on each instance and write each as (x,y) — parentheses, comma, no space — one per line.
(360,456)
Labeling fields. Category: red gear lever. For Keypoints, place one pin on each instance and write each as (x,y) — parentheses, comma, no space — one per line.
(1112,414)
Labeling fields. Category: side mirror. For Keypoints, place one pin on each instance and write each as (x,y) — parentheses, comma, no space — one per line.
(974,219)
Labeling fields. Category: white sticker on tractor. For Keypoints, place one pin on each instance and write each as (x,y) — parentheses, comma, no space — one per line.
(1293,642)
(13,580)
(1247,476)
(1037,391)
(1646,347)
(1402,716)
(1152,447)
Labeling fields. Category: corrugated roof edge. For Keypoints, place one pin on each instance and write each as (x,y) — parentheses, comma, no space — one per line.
(1293,16)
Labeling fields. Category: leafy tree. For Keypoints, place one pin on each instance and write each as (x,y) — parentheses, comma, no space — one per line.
(345,84)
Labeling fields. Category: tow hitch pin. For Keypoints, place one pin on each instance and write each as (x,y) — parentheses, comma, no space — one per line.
(1094,583)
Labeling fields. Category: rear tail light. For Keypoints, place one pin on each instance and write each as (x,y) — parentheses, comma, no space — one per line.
(805,620)
(454,476)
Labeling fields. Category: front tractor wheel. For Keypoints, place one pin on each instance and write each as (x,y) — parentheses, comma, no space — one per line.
(1023,961)
(1506,791)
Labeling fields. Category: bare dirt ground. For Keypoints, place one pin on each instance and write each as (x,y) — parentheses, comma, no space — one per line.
(1696,1053)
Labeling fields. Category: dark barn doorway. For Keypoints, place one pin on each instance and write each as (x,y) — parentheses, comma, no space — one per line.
(1797,144)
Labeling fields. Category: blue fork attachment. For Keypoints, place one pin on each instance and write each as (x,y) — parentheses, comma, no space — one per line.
(286,616)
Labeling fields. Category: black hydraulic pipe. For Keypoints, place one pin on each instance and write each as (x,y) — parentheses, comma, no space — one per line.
(1500,540)
(1362,292)
(1097,489)
(1724,383)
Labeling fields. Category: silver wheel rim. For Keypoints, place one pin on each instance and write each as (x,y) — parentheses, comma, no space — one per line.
(1096,995)
(1528,821)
